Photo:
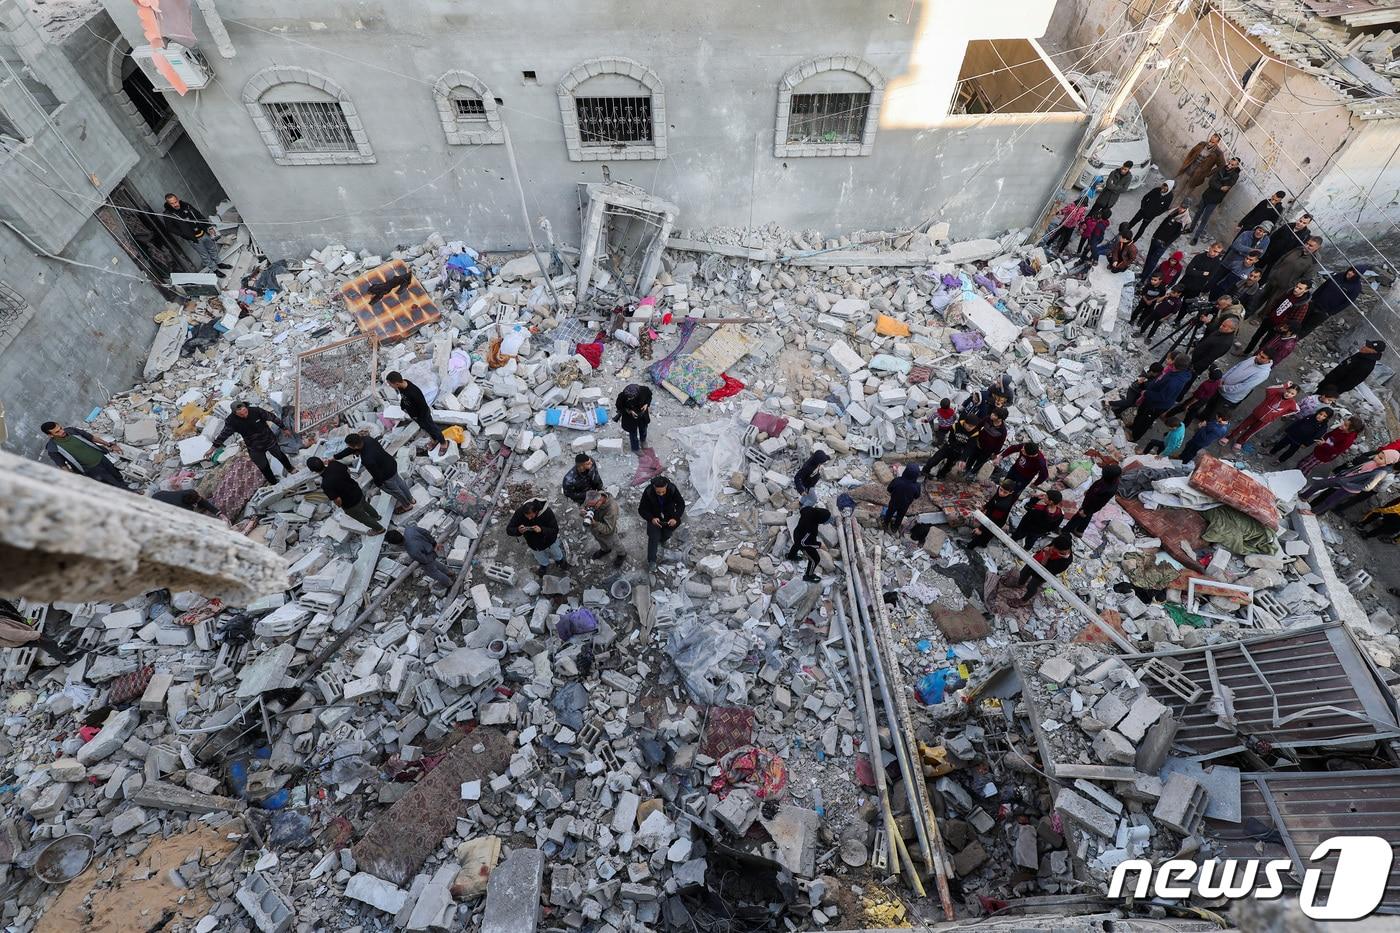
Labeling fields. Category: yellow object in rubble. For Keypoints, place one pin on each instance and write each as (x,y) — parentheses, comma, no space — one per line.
(935,760)
(889,327)
(883,910)
(455,434)
(189,418)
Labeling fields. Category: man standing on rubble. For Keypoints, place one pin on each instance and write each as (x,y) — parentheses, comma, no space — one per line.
(991,437)
(1167,233)
(661,508)
(251,423)
(415,405)
(805,539)
(1029,468)
(998,510)
(600,516)
(1350,372)
(581,479)
(382,467)
(1055,557)
(1114,184)
(1161,394)
(1042,517)
(77,451)
(535,522)
(421,547)
(340,487)
(185,221)
(1099,494)
(634,414)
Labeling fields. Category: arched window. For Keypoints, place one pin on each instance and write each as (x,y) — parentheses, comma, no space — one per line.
(467,110)
(828,106)
(305,118)
(613,108)
(150,113)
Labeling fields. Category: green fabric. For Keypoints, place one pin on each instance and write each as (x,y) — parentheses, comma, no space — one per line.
(365,514)
(1239,533)
(1180,616)
(80,450)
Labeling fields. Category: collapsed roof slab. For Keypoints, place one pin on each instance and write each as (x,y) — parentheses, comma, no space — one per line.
(68,538)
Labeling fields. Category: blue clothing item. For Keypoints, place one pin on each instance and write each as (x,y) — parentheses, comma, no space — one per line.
(1162,393)
(1174,439)
(1208,434)
(1240,249)
(905,489)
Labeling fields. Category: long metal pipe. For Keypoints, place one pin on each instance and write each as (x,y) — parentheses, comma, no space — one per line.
(872,728)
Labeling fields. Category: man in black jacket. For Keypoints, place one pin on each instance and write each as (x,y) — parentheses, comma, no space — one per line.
(77,451)
(415,405)
(805,539)
(382,467)
(1269,211)
(188,499)
(340,487)
(634,414)
(1285,240)
(1154,203)
(189,223)
(1217,187)
(1167,233)
(1201,272)
(581,478)
(251,423)
(661,508)
(1352,371)
(535,523)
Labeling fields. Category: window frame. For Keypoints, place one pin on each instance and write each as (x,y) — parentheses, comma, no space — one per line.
(161,140)
(460,132)
(361,153)
(791,83)
(579,151)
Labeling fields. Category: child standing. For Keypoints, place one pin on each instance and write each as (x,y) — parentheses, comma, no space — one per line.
(1280,401)
(1210,431)
(1300,432)
(1337,442)
(943,420)
(1171,443)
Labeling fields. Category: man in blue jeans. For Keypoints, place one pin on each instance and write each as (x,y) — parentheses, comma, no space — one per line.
(661,508)
(1217,186)
(535,522)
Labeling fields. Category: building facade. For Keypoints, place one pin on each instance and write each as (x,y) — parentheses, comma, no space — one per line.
(84,152)
(376,124)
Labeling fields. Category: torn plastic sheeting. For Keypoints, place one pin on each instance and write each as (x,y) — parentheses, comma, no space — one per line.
(707,655)
(885,363)
(714,451)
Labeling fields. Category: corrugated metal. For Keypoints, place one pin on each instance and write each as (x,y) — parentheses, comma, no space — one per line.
(1287,815)
(1315,667)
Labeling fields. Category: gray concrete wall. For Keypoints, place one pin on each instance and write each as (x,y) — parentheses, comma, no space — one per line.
(720,64)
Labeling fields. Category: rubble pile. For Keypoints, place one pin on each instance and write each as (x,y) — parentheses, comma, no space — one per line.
(606,749)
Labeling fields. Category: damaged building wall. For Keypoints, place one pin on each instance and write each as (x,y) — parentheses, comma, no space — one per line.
(83,331)
(715,103)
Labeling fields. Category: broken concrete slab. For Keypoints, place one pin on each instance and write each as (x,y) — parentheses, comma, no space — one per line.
(162,796)
(513,894)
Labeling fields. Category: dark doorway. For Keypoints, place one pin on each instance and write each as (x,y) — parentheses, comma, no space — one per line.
(141,235)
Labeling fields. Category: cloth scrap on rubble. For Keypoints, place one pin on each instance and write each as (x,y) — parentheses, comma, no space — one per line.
(1237,532)
(593,352)
(755,769)
(730,387)
(1232,487)
(726,728)
(1172,527)
(694,378)
(236,481)
(772,425)
(648,465)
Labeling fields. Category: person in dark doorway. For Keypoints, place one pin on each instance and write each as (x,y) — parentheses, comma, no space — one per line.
(600,515)
(958,447)
(188,499)
(252,424)
(422,549)
(415,405)
(17,632)
(809,474)
(634,414)
(340,487)
(1333,296)
(535,523)
(1042,517)
(1029,468)
(903,490)
(1217,187)
(1167,233)
(1114,184)
(581,478)
(805,539)
(1099,494)
(1300,432)
(1154,204)
(382,468)
(662,509)
(1352,371)
(77,451)
(1055,557)
(1268,211)
(998,509)
(186,222)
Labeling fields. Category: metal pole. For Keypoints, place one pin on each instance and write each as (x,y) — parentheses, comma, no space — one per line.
(1054,582)
(525,213)
(872,728)
(1115,104)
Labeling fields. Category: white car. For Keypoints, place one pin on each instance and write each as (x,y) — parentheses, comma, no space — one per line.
(1125,140)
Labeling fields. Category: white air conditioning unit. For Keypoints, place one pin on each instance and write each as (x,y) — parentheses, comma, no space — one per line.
(188,64)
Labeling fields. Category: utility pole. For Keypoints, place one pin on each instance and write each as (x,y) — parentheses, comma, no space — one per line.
(1110,111)
(525,215)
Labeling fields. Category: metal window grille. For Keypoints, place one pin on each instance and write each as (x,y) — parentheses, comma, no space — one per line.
(827,118)
(468,109)
(14,311)
(306,126)
(614,121)
(154,109)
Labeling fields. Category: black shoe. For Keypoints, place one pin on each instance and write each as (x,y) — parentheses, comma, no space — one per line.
(539,571)
(224,265)
(619,560)
(811,578)
(563,565)
(603,552)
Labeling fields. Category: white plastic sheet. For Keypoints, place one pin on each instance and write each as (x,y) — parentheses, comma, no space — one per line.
(713,451)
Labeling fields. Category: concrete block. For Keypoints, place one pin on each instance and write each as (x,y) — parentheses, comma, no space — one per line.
(1143,713)
(1079,810)
(1111,748)
(379,894)
(467,667)
(513,894)
(1182,805)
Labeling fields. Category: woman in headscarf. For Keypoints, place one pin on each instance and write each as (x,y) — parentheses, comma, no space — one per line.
(634,414)
(1360,480)
(1333,296)
(809,473)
